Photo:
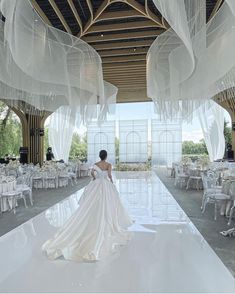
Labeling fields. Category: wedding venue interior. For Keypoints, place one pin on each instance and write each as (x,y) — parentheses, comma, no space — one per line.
(152,82)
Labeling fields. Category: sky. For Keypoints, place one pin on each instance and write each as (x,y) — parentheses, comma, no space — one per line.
(145,110)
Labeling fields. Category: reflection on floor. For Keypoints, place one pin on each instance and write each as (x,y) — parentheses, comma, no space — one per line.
(166,253)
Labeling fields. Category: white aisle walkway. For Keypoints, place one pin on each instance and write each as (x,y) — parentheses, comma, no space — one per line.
(166,253)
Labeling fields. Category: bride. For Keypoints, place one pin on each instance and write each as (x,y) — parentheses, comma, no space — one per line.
(99,224)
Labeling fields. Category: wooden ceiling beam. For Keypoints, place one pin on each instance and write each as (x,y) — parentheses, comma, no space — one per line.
(154,17)
(215,9)
(122,36)
(142,9)
(122,45)
(122,26)
(40,12)
(122,81)
(124,59)
(95,16)
(138,11)
(110,15)
(129,65)
(110,78)
(76,15)
(137,65)
(131,87)
(60,16)
(90,7)
(115,77)
(134,71)
(126,74)
(123,52)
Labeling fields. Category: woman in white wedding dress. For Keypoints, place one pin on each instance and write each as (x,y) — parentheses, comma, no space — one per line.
(99,224)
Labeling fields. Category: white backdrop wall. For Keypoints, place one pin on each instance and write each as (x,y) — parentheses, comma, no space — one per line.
(98,138)
(166,142)
(133,140)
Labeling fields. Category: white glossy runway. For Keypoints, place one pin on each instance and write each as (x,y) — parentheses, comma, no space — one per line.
(166,253)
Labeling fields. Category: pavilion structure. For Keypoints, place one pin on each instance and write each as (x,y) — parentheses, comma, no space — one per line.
(121,31)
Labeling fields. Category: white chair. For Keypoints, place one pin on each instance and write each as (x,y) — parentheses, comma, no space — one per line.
(180,177)
(194,178)
(84,170)
(38,180)
(50,179)
(73,173)
(23,186)
(232,195)
(25,190)
(212,195)
(63,178)
(10,195)
(169,171)
(210,185)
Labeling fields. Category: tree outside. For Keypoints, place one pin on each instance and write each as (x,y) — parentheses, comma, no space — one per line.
(10,131)
(194,149)
(78,148)
(227,133)
(190,147)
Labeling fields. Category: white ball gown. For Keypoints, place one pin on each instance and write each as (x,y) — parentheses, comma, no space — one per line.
(96,228)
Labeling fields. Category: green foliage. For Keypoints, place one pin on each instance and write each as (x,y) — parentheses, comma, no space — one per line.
(46,140)
(10,131)
(189,147)
(227,133)
(117,149)
(195,157)
(78,148)
(133,167)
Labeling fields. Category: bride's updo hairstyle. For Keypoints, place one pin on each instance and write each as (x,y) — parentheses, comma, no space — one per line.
(103,154)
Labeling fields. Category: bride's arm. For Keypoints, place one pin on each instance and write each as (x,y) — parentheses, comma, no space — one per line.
(110,173)
(93,174)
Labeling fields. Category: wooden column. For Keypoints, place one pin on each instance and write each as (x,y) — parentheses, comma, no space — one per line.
(229,105)
(33,133)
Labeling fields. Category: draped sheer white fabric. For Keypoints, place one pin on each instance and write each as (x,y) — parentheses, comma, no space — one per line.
(193,60)
(61,128)
(46,67)
(211,117)
(66,119)
(51,70)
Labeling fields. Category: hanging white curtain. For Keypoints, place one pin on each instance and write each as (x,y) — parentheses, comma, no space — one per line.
(193,60)
(61,128)
(51,70)
(47,67)
(65,119)
(211,117)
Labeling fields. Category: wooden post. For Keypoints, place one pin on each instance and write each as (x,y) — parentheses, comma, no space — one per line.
(33,133)
(227,105)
